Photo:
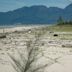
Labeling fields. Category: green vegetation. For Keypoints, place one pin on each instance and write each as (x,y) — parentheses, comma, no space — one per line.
(60,28)
(61,21)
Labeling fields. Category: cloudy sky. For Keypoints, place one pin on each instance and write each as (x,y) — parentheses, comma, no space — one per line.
(7,5)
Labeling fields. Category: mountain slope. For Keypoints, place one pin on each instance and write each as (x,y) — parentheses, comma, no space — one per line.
(35,15)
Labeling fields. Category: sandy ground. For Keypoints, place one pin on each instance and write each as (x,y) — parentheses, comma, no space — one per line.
(56,51)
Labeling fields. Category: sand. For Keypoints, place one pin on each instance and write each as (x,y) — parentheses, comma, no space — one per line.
(56,51)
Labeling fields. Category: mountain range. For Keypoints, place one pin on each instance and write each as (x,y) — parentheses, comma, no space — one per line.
(38,14)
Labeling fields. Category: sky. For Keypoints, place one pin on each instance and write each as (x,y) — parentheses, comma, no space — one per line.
(8,5)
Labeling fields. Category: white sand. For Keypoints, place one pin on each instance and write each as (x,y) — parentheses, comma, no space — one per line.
(53,52)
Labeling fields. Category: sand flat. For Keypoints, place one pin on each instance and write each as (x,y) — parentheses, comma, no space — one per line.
(59,57)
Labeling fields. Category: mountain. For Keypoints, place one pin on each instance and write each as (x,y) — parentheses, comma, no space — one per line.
(35,15)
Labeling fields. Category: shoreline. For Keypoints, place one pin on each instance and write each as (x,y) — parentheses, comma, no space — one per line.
(28,25)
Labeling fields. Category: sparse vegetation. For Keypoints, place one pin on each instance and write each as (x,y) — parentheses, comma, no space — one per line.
(62,28)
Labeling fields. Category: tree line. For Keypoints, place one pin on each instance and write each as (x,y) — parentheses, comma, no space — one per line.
(61,21)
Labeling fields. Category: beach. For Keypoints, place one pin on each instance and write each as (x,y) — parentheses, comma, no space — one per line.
(54,52)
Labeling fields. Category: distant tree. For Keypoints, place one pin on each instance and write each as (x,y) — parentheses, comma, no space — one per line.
(70,22)
(60,21)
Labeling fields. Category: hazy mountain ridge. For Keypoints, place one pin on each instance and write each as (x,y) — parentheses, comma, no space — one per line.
(35,15)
